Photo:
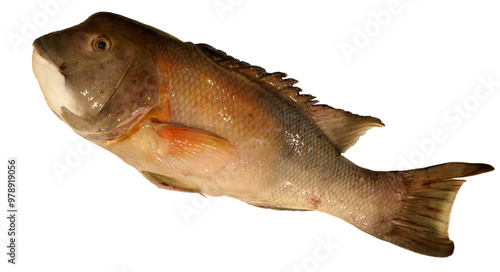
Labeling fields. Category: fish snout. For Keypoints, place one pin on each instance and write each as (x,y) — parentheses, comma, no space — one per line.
(39,54)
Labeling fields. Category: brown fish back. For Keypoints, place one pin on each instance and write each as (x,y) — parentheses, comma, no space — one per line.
(343,128)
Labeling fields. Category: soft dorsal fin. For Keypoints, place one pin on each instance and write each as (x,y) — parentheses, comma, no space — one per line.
(342,127)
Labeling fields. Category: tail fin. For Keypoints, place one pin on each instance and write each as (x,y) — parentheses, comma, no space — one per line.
(421,222)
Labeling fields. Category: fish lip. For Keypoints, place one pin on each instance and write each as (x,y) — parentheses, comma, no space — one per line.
(37,44)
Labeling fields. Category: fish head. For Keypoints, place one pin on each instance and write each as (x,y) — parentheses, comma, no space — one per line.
(101,76)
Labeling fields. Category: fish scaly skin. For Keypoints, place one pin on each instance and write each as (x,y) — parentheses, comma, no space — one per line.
(192,119)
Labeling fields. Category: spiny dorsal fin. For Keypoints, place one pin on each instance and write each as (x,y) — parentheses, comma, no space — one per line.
(342,127)
(277,80)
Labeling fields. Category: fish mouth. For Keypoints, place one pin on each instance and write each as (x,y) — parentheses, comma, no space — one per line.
(40,56)
(52,82)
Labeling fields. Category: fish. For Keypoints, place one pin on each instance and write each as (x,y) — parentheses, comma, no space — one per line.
(191,118)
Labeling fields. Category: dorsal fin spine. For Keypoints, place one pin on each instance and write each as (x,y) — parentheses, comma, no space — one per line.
(277,80)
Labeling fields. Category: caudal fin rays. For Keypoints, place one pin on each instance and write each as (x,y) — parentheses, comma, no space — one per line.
(421,221)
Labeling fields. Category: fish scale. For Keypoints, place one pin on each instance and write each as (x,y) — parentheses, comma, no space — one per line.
(191,118)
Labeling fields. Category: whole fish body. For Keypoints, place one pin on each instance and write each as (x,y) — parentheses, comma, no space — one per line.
(191,118)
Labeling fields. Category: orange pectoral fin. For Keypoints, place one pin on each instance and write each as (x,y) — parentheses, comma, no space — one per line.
(193,149)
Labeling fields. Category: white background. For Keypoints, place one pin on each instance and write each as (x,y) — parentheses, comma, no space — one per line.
(103,216)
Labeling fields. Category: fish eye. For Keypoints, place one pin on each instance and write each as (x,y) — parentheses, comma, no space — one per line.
(101,44)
